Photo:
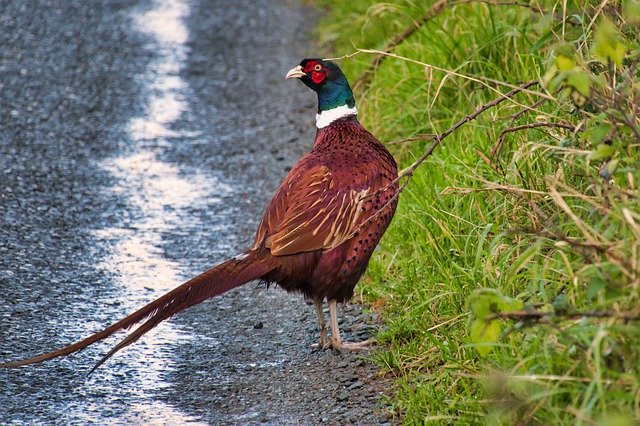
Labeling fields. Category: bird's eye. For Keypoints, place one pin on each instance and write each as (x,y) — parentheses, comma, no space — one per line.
(318,67)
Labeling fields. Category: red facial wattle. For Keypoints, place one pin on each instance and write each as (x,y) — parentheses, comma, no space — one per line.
(315,71)
(318,76)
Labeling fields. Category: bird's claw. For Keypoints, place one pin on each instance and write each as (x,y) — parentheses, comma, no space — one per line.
(354,346)
(324,342)
(321,347)
(340,345)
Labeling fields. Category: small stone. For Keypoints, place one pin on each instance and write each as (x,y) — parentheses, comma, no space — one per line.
(342,396)
(258,326)
(357,384)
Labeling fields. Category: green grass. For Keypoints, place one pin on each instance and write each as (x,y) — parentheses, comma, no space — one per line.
(538,225)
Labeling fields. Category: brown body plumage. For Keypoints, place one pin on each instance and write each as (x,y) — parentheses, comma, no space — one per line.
(316,236)
(313,225)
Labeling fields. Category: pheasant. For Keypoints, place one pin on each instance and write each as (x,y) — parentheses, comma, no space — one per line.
(317,233)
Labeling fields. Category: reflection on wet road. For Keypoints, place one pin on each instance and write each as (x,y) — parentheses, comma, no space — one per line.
(159,193)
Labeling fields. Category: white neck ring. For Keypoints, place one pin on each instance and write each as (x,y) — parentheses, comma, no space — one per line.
(324,118)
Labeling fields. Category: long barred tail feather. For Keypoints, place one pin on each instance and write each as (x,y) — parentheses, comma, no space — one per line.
(217,280)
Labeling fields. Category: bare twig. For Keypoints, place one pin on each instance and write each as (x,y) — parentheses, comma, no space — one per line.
(537,315)
(438,138)
(500,141)
(526,109)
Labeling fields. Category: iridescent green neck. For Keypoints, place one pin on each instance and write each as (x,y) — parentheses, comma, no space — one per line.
(334,94)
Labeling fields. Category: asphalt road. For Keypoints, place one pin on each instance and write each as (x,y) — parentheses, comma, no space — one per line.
(139,144)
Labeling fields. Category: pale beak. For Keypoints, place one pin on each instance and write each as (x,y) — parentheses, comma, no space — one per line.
(295,73)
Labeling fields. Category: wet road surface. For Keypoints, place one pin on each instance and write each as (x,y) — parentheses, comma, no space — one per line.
(139,144)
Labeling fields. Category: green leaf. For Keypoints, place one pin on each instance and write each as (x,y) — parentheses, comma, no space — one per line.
(484,302)
(607,46)
(547,307)
(487,301)
(602,151)
(564,57)
(596,134)
(510,304)
(579,80)
(484,334)
(612,165)
(556,81)
(564,63)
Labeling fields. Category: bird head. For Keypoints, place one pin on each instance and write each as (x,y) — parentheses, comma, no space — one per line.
(327,80)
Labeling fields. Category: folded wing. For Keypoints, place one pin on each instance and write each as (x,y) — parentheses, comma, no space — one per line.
(314,210)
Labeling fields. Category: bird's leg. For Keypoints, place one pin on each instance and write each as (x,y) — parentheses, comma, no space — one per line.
(336,340)
(324,340)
